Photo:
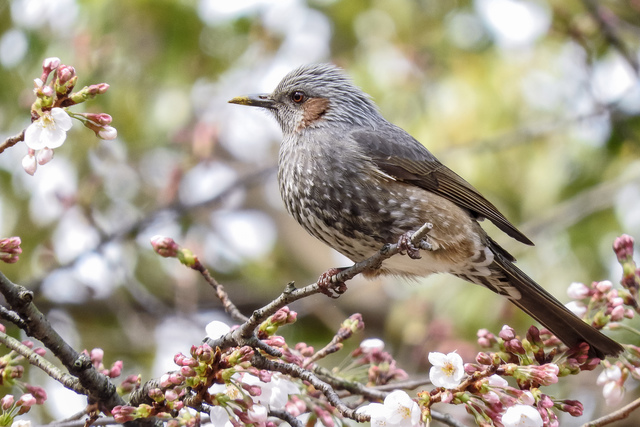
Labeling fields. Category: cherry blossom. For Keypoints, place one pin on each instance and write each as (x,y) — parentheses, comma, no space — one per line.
(50,130)
(447,370)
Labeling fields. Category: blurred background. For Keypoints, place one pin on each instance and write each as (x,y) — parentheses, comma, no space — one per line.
(536,103)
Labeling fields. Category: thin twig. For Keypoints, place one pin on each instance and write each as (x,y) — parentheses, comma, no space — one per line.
(10,142)
(222,295)
(12,317)
(285,416)
(618,415)
(297,372)
(69,381)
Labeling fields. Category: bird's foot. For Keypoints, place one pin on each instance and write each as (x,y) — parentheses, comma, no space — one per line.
(329,286)
(408,245)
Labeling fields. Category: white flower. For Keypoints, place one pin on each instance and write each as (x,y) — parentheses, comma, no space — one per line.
(612,373)
(398,410)
(275,393)
(522,416)
(371,344)
(21,423)
(447,370)
(613,393)
(613,390)
(217,329)
(50,130)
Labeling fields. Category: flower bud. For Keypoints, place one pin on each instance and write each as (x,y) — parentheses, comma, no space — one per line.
(165,246)
(507,333)
(7,402)
(108,133)
(623,247)
(29,164)
(44,156)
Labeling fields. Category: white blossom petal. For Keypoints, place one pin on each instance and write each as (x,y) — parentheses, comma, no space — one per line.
(522,416)
(372,344)
(62,119)
(447,370)
(32,135)
(217,329)
(219,417)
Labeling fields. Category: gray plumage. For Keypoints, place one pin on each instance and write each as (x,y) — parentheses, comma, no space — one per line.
(356,182)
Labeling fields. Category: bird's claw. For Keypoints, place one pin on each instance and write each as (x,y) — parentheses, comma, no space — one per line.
(328,286)
(408,247)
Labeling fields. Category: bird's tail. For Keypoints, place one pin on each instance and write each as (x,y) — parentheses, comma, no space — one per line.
(534,300)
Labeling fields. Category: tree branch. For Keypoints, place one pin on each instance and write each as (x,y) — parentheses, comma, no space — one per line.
(99,387)
(10,142)
(620,414)
(35,359)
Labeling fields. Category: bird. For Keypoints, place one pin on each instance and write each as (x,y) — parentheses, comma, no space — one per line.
(357,182)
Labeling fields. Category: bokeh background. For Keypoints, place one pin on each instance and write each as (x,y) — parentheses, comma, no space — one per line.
(536,103)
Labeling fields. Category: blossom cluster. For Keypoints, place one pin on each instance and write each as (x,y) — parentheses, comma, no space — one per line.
(482,387)
(11,373)
(604,306)
(51,118)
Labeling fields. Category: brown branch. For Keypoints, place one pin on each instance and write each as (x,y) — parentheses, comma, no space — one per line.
(618,415)
(222,295)
(10,142)
(99,387)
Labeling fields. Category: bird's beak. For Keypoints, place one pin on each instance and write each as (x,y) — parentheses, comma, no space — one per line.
(260,100)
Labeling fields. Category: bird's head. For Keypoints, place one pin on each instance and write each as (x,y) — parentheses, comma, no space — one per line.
(313,96)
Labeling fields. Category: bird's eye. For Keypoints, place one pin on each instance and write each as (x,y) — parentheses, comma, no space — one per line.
(298,97)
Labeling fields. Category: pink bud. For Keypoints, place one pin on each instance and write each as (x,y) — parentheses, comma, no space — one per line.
(187,371)
(44,156)
(604,286)
(51,63)
(102,119)
(617,313)
(102,87)
(578,291)
(26,400)
(96,355)
(47,91)
(38,392)
(623,247)
(116,369)
(170,395)
(7,402)
(507,333)
(165,381)
(165,246)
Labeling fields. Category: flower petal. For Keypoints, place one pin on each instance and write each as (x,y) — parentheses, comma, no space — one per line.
(32,136)
(62,119)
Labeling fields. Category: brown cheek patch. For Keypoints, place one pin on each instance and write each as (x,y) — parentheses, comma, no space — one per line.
(314,109)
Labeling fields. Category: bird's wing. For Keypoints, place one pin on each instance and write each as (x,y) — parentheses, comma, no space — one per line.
(399,155)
